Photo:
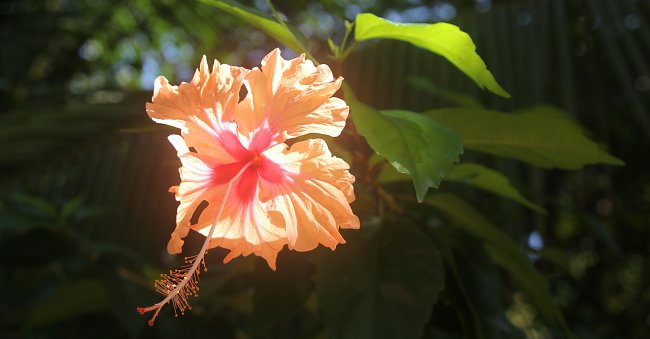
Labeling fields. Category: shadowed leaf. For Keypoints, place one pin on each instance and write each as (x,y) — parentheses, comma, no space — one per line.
(69,301)
(473,286)
(280,297)
(454,98)
(504,251)
(471,174)
(491,181)
(382,284)
(541,136)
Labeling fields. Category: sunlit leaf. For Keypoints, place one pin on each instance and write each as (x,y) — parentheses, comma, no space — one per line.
(504,251)
(441,38)
(491,181)
(413,143)
(382,284)
(261,22)
(541,136)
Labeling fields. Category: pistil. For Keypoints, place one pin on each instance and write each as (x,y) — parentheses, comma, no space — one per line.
(182,283)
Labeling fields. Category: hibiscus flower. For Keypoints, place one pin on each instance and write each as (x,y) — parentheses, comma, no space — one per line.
(261,193)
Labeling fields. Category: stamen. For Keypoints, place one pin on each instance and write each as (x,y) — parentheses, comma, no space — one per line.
(183,282)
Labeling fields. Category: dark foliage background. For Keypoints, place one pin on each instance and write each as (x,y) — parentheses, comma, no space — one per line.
(84,208)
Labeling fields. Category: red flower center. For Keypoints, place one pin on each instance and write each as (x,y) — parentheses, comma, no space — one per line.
(257,161)
(259,166)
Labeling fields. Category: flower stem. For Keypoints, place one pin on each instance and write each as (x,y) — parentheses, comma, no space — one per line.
(188,277)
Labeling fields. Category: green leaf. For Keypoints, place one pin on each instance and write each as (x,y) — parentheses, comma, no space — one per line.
(504,251)
(381,284)
(441,38)
(471,174)
(38,206)
(69,301)
(389,174)
(541,136)
(413,143)
(124,294)
(556,256)
(473,286)
(32,137)
(272,28)
(491,181)
(20,211)
(455,98)
(280,297)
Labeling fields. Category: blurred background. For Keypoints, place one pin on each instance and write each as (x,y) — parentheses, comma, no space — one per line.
(84,209)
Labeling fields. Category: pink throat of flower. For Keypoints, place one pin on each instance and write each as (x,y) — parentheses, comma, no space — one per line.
(257,161)
(260,169)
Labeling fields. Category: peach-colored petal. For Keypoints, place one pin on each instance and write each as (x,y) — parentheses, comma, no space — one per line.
(245,229)
(244,225)
(290,98)
(315,202)
(196,175)
(205,106)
